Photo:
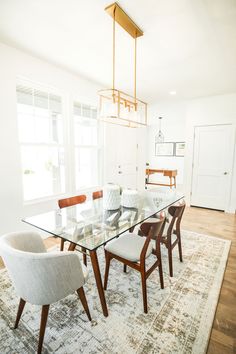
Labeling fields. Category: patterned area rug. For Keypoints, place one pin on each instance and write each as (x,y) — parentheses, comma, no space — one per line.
(179,318)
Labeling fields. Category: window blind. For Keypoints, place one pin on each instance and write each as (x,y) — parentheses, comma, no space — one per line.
(84,110)
(38,98)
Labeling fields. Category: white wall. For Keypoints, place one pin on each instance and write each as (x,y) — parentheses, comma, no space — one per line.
(14,63)
(173,127)
(179,122)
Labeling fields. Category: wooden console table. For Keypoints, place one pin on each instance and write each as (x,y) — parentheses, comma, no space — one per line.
(168,173)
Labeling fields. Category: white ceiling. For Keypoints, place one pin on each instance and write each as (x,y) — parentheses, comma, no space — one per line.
(188,45)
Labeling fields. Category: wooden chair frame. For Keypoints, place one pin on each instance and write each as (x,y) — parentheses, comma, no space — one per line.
(97,195)
(73,201)
(67,202)
(44,316)
(176,211)
(151,231)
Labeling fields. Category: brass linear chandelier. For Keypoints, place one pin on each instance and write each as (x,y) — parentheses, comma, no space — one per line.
(116,106)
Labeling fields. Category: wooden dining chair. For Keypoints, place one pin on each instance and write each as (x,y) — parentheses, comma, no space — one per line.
(67,202)
(132,250)
(176,213)
(97,195)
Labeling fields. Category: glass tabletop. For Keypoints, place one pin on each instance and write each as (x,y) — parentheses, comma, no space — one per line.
(90,226)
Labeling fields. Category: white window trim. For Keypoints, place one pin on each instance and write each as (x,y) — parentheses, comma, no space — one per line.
(68,143)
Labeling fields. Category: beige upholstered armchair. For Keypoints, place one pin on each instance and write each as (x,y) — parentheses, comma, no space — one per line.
(39,277)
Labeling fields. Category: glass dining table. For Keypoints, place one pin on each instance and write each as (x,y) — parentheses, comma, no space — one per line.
(90,226)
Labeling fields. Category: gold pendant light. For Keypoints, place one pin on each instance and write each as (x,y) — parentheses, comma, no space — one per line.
(116,106)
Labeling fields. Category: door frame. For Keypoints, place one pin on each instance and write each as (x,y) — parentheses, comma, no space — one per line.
(231,164)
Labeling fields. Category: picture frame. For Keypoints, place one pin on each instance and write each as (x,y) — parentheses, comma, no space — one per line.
(179,149)
(164,149)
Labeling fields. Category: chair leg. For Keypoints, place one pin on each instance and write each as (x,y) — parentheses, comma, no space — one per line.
(83,300)
(180,247)
(62,244)
(170,261)
(125,268)
(44,317)
(108,260)
(72,246)
(84,256)
(161,274)
(144,289)
(19,312)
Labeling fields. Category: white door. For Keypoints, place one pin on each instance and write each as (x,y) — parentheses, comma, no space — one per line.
(212,165)
(121,156)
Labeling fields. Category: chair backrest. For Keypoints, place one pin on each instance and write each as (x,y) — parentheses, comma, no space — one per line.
(176,211)
(97,195)
(39,277)
(66,202)
(152,229)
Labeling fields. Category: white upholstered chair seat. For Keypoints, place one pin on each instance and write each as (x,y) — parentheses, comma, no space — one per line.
(132,250)
(128,246)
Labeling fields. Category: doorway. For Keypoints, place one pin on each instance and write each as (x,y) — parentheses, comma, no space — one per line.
(121,163)
(212,166)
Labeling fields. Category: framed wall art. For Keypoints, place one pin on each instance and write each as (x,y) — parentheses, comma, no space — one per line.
(164,149)
(179,148)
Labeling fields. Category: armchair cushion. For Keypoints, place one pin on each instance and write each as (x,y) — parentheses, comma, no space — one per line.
(128,246)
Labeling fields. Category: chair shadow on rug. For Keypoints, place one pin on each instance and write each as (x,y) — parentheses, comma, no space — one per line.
(132,250)
(41,278)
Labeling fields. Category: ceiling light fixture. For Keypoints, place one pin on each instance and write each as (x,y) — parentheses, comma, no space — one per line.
(160,136)
(172,93)
(116,106)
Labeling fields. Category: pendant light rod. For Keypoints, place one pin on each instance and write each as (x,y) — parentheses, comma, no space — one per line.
(135,72)
(114,48)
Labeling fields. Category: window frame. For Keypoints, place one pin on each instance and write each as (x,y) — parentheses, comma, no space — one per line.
(68,142)
(97,147)
(60,145)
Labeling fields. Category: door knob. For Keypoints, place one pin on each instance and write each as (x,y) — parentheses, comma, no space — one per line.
(225,173)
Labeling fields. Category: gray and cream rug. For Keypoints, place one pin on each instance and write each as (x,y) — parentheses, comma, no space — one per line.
(179,318)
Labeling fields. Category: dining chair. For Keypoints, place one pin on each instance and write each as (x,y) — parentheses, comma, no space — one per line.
(173,228)
(132,250)
(97,195)
(67,202)
(41,277)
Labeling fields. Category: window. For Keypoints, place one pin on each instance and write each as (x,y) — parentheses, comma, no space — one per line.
(41,139)
(86,145)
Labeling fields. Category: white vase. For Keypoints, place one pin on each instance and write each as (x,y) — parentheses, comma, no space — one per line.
(111,197)
(130,198)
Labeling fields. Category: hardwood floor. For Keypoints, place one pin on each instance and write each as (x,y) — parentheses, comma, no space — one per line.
(219,224)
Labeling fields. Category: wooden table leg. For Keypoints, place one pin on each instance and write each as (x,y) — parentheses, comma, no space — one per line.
(97,274)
